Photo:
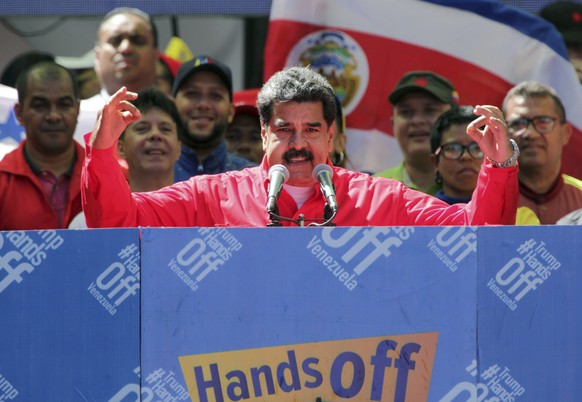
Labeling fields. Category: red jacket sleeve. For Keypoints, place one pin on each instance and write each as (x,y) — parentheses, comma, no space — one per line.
(494,202)
(108,201)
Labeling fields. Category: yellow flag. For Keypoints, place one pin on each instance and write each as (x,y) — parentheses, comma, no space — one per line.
(178,49)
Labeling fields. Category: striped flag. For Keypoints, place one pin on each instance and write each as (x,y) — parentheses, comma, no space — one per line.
(483,47)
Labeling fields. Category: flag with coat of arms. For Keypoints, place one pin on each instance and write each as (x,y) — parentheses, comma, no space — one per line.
(482,46)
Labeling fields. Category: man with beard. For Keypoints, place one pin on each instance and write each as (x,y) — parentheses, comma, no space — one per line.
(297,111)
(536,120)
(203,94)
(40,180)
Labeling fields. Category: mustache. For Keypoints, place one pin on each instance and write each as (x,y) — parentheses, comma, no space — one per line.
(297,153)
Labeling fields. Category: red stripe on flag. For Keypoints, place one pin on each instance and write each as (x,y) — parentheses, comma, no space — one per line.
(388,60)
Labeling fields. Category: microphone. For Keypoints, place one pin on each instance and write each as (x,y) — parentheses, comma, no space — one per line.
(323,173)
(278,174)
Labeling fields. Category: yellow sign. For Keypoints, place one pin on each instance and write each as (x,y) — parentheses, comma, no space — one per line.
(387,368)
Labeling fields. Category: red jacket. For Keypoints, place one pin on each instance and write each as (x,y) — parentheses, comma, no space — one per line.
(23,203)
(238,198)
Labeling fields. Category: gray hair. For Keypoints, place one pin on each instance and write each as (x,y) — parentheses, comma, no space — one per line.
(533,89)
(296,84)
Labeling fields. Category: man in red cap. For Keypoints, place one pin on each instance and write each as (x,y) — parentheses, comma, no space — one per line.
(166,71)
(243,136)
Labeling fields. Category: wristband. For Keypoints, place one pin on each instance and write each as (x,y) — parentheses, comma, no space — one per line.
(511,159)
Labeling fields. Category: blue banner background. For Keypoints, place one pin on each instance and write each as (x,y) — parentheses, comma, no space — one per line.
(257,288)
(58,342)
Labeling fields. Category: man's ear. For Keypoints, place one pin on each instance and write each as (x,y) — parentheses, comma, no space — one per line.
(264,137)
(435,160)
(331,132)
(566,133)
(18,113)
(121,147)
(231,113)
(96,64)
(178,151)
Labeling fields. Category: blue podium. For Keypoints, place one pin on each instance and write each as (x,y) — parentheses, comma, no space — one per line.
(291,314)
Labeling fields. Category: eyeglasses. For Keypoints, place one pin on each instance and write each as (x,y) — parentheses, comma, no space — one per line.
(542,124)
(454,150)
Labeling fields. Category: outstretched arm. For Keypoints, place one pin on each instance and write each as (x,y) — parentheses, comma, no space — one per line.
(113,118)
(106,196)
(102,180)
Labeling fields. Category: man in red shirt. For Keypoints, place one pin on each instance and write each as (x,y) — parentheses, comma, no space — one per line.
(537,121)
(40,180)
(297,111)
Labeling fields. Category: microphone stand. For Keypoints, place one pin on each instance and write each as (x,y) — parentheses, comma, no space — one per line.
(328,216)
(274,216)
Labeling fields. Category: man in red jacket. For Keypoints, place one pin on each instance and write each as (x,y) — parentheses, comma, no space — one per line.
(40,180)
(297,111)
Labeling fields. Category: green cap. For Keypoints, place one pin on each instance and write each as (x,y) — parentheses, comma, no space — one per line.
(425,81)
(567,18)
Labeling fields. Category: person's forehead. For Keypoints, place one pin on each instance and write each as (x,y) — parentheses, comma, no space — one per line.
(457,133)
(521,104)
(155,113)
(298,110)
(203,79)
(125,24)
(245,119)
(60,87)
(153,117)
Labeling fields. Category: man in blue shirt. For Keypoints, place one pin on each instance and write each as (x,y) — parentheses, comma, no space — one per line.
(203,94)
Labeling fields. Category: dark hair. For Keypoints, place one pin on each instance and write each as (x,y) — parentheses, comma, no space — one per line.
(46,70)
(339,112)
(150,98)
(456,115)
(20,63)
(533,89)
(134,11)
(296,84)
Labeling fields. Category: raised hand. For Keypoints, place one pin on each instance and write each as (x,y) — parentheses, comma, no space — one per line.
(113,118)
(493,138)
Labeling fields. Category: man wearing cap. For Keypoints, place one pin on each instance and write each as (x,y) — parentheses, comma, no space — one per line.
(567,18)
(203,94)
(418,100)
(243,136)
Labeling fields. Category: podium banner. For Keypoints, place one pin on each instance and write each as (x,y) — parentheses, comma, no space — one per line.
(69,302)
(294,314)
(528,313)
(407,314)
